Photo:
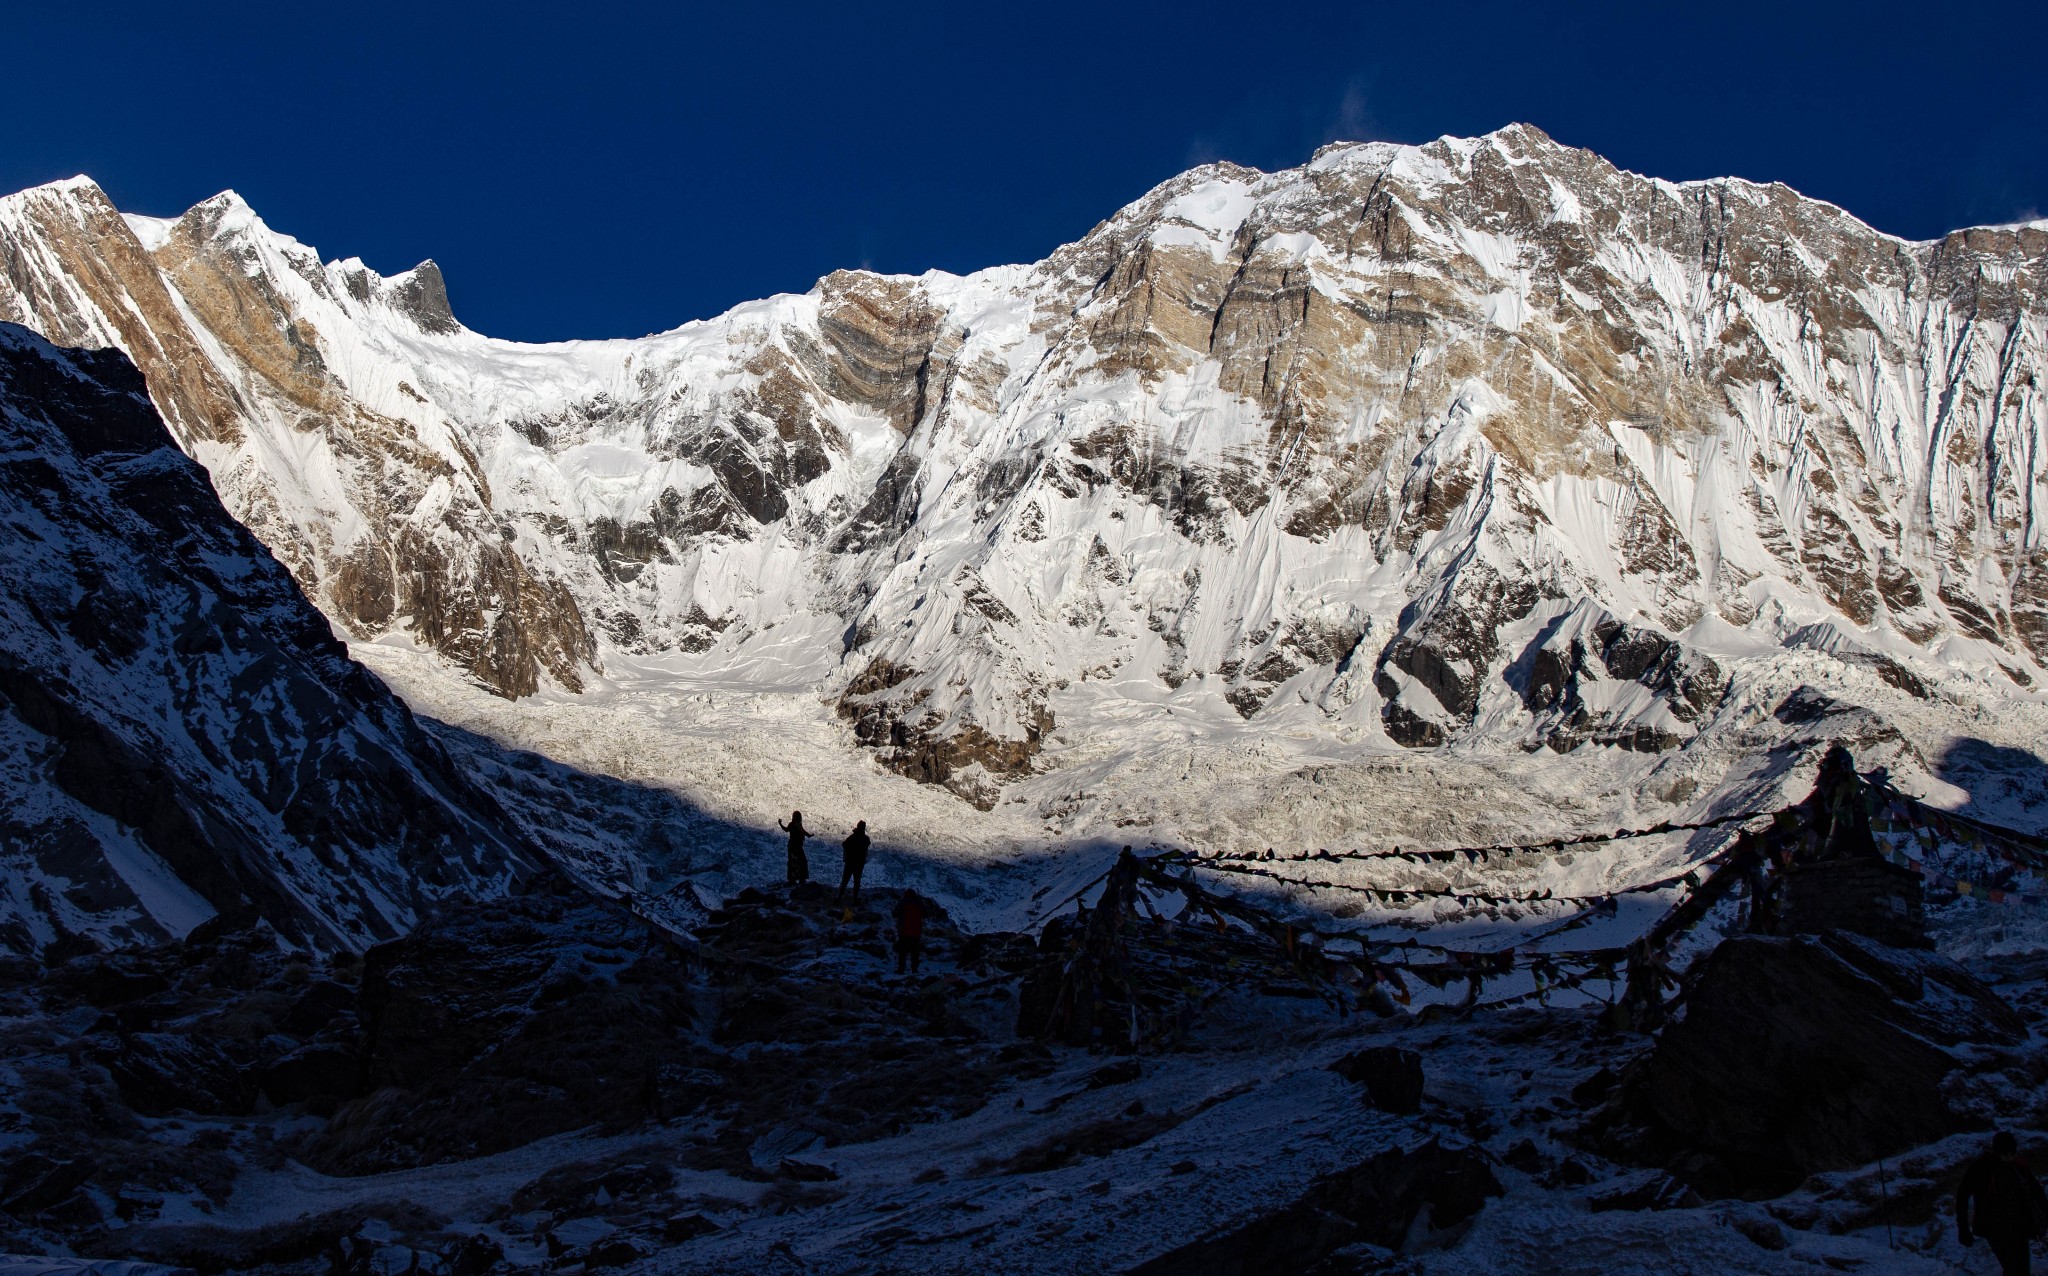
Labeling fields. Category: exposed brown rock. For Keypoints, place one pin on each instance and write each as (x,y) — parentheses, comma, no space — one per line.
(115,278)
(886,704)
(2030,604)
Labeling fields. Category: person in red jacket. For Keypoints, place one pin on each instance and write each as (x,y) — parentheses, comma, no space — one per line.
(2010,1210)
(909,931)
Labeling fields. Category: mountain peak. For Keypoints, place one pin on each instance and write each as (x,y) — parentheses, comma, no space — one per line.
(421,294)
(66,190)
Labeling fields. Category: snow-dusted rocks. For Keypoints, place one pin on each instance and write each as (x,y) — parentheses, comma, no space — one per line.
(183,735)
(1368,438)
(1592,677)
(1800,1055)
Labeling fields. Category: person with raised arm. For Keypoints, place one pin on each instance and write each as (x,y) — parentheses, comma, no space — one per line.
(799,867)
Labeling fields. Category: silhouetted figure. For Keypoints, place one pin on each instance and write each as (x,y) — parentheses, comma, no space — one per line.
(854,859)
(1838,817)
(909,931)
(799,867)
(2010,1210)
(1642,995)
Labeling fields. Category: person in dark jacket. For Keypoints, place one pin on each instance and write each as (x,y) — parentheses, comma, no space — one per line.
(799,867)
(2002,1201)
(854,859)
(909,931)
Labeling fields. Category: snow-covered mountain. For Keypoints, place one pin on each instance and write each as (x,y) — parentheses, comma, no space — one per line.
(1480,441)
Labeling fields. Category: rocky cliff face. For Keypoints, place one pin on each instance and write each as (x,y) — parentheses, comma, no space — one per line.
(183,736)
(1478,438)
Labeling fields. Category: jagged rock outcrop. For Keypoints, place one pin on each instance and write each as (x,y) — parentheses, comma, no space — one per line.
(1344,440)
(1590,676)
(487,1028)
(183,736)
(1392,1077)
(1373,1203)
(501,1022)
(381,512)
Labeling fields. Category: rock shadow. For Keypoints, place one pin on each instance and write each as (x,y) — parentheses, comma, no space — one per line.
(2007,785)
(663,847)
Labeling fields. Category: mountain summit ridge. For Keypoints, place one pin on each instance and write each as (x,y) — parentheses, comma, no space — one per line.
(1360,443)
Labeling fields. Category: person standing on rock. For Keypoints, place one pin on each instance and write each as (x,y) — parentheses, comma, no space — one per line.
(854,860)
(799,867)
(909,931)
(2010,1210)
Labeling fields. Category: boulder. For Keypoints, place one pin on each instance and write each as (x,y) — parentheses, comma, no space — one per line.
(162,1072)
(1594,1089)
(1392,1077)
(108,981)
(320,1005)
(584,1188)
(476,1255)
(686,1227)
(1649,1190)
(508,1020)
(1375,1202)
(34,1183)
(616,1252)
(1122,1072)
(578,1239)
(1810,1053)
(324,1070)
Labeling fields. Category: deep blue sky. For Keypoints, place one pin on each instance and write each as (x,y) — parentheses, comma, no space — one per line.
(605,170)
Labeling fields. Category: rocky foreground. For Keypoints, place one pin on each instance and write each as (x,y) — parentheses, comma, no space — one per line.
(545,1081)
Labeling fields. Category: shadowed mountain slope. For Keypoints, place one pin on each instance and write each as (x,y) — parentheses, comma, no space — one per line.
(183,734)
